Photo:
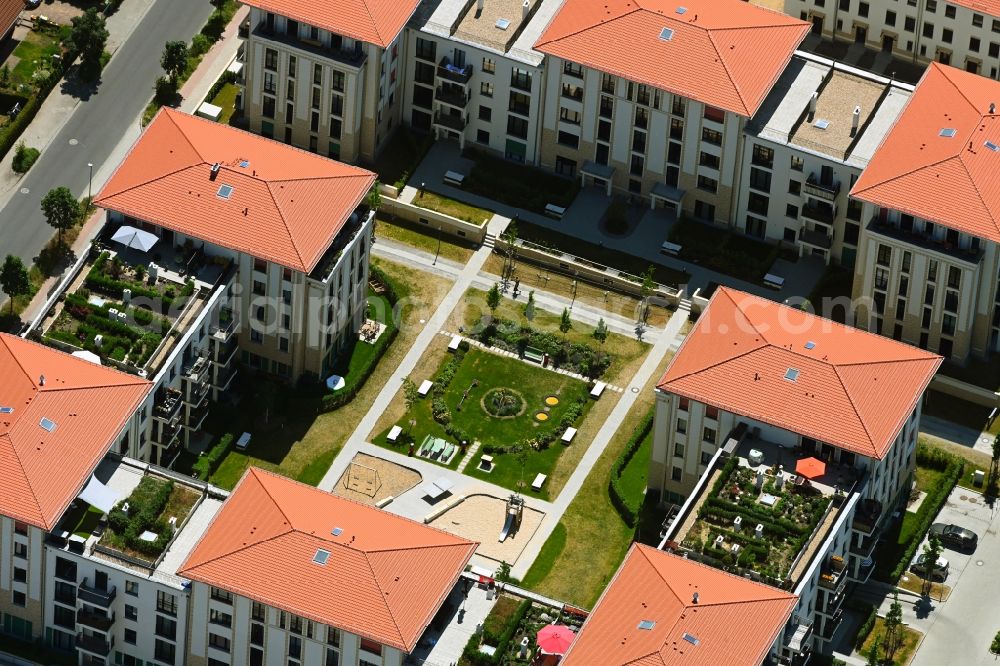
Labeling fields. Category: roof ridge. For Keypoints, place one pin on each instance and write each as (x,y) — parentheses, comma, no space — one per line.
(24,475)
(425,546)
(725,66)
(975,187)
(883,361)
(721,362)
(371,16)
(306,178)
(944,72)
(3,338)
(659,575)
(161,176)
(382,595)
(850,399)
(591,26)
(171,114)
(284,223)
(254,471)
(229,553)
(714,570)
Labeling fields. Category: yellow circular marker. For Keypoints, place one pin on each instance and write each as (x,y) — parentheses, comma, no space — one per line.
(552,401)
(542,416)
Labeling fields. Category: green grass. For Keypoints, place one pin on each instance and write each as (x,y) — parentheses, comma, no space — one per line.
(533,384)
(462,211)
(226,100)
(518,185)
(958,411)
(908,644)
(422,238)
(549,554)
(34,53)
(636,472)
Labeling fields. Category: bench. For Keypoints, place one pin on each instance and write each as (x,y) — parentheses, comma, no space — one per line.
(673,249)
(455,341)
(555,211)
(486,463)
(568,435)
(537,483)
(598,389)
(533,354)
(394,433)
(454,178)
(425,388)
(243,442)
(774,281)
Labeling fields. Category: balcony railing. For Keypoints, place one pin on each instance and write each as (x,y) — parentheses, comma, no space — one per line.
(93,644)
(224,378)
(450,72)
(827,190)
(97,621)
(353,57)
(96,596)
(830,626)
(167,407)
(866,515)
(822,214)
(456,123)
(452,97)
(816,238)
(919,240)
(226,328)
(197,417)
(197,371)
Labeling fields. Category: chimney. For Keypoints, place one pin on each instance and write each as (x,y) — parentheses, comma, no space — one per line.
(855,120)
(694,598)
(993,108)
(812,105)
(525,9)
(41,380)
(480,6)
(215,171)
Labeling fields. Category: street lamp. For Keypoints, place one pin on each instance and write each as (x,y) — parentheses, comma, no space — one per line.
(90,184)
(438,250)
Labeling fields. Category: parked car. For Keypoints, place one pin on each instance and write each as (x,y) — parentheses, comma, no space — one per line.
(939,570)
(33,4)
(955,536)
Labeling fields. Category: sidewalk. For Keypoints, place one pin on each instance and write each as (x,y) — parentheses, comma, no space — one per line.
(213,64)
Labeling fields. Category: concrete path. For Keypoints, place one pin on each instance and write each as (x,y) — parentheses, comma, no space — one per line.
(956,433)
(667,340)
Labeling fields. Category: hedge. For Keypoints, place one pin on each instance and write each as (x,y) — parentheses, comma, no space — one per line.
(206,464)
(628,508)
(472,655)
(513,337)
(935,499)
(866,627)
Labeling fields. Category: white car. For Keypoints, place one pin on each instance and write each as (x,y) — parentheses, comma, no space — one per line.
(939,570)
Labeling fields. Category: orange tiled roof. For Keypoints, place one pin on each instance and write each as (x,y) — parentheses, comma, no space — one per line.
(734,622)
(724,53)
(374,21)
(41,472)
(947,180)
(385,579)
(9,11)
(853,389)
(287,205)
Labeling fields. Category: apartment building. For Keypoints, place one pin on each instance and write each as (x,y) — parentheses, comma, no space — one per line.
(665,122)
(663,608)
(473,74)
(962,34)
(928,255)
(291,224)
(288,574)
(326,76)
(758,393)
(804,149)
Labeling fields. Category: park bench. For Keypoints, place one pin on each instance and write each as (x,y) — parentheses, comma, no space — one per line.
(774,281)
(533,354)
(537,483)
(673,249)
(453,178)
(555,211)
(597,390)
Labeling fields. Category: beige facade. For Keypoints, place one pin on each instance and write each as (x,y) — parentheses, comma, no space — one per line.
(320,91)
(928,285)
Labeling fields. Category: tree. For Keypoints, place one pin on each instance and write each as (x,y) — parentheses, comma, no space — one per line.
(374,198)
(565,323)
(61,210)
(601,333)
(218,4)
(174,59)
(994,478)
(529,307)
(509,237)
(932,551)
(503,573)
(873,659)
(410,393)
(893,634)
(14,279)
(646,290)
(493,298)
(88,38)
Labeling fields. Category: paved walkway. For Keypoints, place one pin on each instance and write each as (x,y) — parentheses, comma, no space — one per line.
(666,341)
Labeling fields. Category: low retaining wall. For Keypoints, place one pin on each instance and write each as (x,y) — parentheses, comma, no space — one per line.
(445,224)
(965,391)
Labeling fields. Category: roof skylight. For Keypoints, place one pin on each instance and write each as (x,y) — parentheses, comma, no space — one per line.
(822,123)
(337,531)
(6,410)
(992,146)
(244,164)
(681,10)
(948,132)
(321,556)
(647,625)
(666,34)
(792,374)
(691,638)
(47,424)
(225,191)
(810,345)
(503,23)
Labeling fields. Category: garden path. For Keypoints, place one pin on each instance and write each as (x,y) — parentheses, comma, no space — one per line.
(468,456)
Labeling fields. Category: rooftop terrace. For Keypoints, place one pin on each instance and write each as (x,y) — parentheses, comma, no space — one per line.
(496,26)
(828,130)
(756,516)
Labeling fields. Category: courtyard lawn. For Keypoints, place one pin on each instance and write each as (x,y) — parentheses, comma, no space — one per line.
(307,444)
(34,55)
(424,239)
(462,211)
(474,384)
(907,647)
(226,100)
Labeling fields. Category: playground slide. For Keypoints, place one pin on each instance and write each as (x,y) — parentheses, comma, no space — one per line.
(506,526)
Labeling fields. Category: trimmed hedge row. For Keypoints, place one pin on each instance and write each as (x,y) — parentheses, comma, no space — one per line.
(206,464)
(866,627)
(628,508)
(935,499)
(471,655)
(12,132)
(513,337)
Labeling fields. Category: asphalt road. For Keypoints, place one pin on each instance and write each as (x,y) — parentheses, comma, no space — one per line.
(96,126)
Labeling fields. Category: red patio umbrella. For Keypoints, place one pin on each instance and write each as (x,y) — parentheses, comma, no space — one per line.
(555,638)
(810,467)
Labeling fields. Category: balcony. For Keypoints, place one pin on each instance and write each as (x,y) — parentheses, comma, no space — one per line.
(167,407)
(197,393)
(826,190)
(816,238)
(352,57)
(890,230)
(65,597)
(797,640)
(197,372)
(196,417)
(93,644)
(865,570)
(866,516)
(227,327)
(450,121)
(824,214)
(452,96)
(224,378)
(830,626)
(449,72)
(95,596)
(167,435)
(98,621)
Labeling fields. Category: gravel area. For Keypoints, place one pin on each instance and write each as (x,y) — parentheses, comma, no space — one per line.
(480,518)
(395,479)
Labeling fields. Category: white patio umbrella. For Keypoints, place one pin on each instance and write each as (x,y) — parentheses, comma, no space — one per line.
(137,239)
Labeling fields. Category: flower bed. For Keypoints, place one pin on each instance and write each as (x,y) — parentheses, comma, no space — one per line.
(513,337)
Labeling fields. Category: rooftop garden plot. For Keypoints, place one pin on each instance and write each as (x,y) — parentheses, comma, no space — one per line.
(142,526)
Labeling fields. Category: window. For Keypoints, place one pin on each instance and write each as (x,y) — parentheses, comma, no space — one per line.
(519,103)
(517,127)
(946,35)
(994,50)
(295,647)
(166,603)
(714,114)
(708,184)
(676,473)
(706,457)
(19,599)
(974,44)
(760,179)
(20,528)
(795,187)
(863,10)
(426,50)
(222,595)
(220,618)
(20,575)
(21,550)
(792,211)
(977,20)
(485,113)
(931,5)
(757,204)
(947,328)
(486,89)
(218,642)
(708,435)
(131,613)
(909,24)
(573,118)
(271,60)
(890,18)
(520,79)
(763,156)
(371,646)
(166,627)
(131,587)
(568,139)
(949,11)
(711,136)
(572,69)
(709,160)
(682,426)
(884,255)
(929,30)
(684,405)
(571,91)
(797,163)
(267,107)
(483,137)
(489,66)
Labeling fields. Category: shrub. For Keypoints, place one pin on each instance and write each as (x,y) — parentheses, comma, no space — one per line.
(200,44)
(866,627)
(146,502)
(206,465)
(24,157)
(471,653)
(628,507)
